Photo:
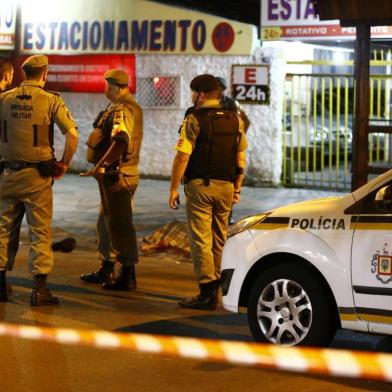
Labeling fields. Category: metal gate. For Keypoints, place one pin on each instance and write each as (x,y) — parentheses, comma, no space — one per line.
(318,112)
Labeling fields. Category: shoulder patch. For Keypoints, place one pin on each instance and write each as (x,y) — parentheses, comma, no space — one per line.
(69,114)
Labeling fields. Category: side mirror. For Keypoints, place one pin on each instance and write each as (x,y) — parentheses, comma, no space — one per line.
(384,198)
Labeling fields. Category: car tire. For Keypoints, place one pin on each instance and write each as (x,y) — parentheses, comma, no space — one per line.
(288,305)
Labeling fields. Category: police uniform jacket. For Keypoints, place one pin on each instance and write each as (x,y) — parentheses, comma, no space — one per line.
(27,117)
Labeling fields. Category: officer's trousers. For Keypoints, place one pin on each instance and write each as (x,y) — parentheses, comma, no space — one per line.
(26,192)
(207,209)
(115,230)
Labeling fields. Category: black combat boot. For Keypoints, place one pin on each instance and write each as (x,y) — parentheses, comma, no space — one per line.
(41,295)
(206,300)
(125,281)
(105,273)
(66,245)
(3,287)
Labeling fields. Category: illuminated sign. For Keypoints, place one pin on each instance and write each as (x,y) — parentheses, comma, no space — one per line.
(85,73)
(250,84)
(7,24)
(129,26)
(297,19)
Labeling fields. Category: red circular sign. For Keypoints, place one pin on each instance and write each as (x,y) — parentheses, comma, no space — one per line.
(223,37)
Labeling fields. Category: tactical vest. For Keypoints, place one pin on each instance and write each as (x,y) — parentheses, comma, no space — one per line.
(216,146)
(26,129)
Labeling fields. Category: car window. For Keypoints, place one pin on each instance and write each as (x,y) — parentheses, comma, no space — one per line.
(367,205)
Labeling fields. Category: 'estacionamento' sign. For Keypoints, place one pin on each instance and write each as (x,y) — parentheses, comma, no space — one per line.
(129,26)
(296,19)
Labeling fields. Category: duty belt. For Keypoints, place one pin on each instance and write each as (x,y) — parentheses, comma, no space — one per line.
(17,165)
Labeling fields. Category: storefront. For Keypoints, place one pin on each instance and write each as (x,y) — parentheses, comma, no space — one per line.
(162,48)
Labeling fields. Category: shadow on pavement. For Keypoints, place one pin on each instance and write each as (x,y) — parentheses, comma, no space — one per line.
(351,340)
(217,326)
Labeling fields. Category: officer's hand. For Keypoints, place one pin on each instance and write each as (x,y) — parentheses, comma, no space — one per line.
(60,169)
(98,172)
(88,173)
(174,200)
(236,197)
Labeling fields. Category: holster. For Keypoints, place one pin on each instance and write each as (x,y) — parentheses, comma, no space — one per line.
(112,175)
(47,168)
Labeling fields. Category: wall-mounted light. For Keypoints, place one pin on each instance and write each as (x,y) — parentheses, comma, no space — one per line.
(339,57)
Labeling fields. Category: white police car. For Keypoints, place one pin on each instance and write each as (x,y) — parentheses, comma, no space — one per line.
(304,270)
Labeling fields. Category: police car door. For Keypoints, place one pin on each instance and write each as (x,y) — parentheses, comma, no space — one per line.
(371,258)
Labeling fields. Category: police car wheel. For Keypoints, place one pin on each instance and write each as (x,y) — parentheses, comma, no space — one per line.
(288,306)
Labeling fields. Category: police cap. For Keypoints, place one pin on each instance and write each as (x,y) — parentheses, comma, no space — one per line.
(116,76)
(222,82)
(204,83)
(36,61)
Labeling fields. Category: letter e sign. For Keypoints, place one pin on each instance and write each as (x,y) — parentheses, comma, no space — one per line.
(250,75)
(250,84)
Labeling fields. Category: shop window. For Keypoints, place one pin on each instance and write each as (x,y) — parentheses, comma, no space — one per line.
(159,92)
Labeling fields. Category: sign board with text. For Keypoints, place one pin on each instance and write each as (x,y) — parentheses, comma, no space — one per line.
(289,20)
(250,84)
(84,73)
(7,24)
(129,26)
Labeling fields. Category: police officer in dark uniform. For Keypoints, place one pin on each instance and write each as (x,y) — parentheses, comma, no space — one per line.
(27,115)
(211,160)
(118,133)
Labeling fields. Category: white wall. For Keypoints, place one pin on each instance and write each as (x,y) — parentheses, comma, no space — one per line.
(161,126)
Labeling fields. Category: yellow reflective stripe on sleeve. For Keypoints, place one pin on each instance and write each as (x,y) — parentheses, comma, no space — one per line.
(119,123)
(183,144)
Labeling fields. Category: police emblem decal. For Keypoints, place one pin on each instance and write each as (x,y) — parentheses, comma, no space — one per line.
(381,265)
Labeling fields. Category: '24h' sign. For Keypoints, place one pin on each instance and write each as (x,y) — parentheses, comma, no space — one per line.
(250,84)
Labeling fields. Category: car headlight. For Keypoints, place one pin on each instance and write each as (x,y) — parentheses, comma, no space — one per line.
(246,223)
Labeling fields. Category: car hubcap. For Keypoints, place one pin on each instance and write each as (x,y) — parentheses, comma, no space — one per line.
(284,312)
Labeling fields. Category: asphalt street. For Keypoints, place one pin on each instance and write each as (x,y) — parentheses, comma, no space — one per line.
(162,279)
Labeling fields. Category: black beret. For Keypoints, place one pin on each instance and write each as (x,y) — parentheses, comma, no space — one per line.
(204,83)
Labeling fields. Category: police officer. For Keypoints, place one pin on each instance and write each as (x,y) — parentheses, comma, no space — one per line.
(27,115)
(121,125)
(211,159)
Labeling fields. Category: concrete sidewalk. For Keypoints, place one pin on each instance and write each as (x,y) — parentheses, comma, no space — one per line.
(76,205)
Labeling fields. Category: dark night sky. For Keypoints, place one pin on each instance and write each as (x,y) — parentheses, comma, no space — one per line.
(247,11)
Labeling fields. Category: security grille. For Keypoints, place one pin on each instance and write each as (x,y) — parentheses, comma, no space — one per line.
(159,92)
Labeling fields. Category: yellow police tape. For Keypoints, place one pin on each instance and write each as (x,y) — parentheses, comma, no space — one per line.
(342,363)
